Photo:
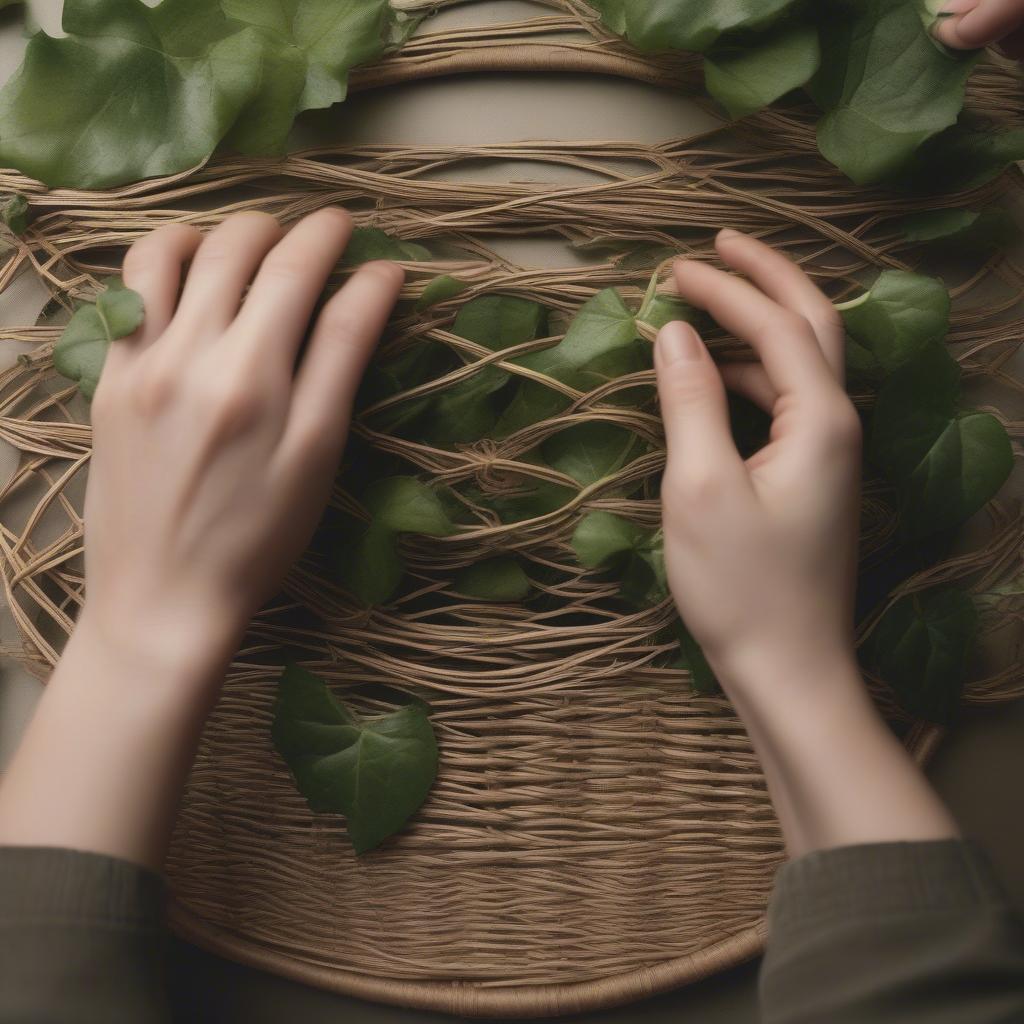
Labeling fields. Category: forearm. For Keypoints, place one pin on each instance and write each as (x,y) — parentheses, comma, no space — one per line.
(104,759)
(836,773)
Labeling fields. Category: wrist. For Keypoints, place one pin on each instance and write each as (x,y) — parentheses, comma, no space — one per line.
(149,653)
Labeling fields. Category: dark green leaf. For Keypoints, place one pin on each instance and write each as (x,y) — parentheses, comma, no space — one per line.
(497,579)
(960,159)
(978,231)
(591,451)
(498,322)
(368,564)
(377,772)
(402,504)
(14,212)
(685,24)
(746,78)
(441,289)
(885,87)
(81,350)
(901,316)
(369,244)
(945,463)
(921,648)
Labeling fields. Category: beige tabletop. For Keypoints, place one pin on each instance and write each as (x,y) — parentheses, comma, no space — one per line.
(978,767)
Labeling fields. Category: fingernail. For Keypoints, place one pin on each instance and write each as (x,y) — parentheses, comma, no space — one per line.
(678,342)
(959,6)
(728,233)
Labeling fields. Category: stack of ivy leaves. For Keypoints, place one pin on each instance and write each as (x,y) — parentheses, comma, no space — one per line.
(236,73)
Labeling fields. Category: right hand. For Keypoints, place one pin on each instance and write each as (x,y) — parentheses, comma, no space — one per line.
(975,23)
(761,554)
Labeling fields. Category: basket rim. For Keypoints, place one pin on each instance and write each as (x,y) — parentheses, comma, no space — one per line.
(462,999)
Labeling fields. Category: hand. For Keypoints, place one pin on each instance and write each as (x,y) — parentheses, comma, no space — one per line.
(975,23)
(213,455)
(761,555)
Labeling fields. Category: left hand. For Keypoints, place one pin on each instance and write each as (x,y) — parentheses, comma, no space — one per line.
(215,447)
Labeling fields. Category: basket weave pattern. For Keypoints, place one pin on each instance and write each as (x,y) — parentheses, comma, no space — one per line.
(596,833)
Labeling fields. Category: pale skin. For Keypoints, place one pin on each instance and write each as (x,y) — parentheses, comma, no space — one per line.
(975,23)
(214,457)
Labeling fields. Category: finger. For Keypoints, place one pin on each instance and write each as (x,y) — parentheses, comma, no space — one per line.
(750,381)
(221,271)
(343,340)
(693,406)
(275,316)
(782,280)
(153,267)
(973,25)
(784,340)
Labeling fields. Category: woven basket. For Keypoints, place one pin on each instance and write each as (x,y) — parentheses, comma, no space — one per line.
(597,834)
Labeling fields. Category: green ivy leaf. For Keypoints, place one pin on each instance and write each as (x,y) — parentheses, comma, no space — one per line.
(496,579)
(686,24)
(977,231)
(960,159)
(603,327)
(81,350)
(945,463)
(309,47)
(130,93)
(133,92)
(441,289)
(367,244)
(897,319)
(14,212)
(746,78)
(377,772)
(885,87)
(467,411)
(590,452)
(601,537)
(921,648)
(367,560)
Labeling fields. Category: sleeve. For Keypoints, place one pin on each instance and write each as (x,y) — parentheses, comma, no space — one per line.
(906,932)
(81,939)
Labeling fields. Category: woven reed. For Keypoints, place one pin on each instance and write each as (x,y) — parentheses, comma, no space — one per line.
(597,833)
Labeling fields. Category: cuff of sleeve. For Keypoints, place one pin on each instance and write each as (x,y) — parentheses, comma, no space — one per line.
(879,880)
(48,884)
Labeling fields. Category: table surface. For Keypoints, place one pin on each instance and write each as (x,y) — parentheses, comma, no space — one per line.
(976,768)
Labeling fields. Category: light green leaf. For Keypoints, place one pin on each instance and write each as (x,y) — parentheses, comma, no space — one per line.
(746,78)
(441,289)
(602,537)
(497,579)
(14,212)
(945,463)
(309,47)
(81,350)
(367,244)
(921,648)
(885,87)
(402,504)
(979,231)
(377,772)
(901,316)
(685,24)
(498,322)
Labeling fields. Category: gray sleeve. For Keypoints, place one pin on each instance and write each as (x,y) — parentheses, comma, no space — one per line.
(81,939)
(900,932)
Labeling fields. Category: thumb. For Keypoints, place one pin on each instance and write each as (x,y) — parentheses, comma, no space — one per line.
(693,405)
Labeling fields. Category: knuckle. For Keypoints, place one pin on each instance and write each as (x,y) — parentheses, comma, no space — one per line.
(234,407)
(389,272)
(696,486)
(841,425)
(286,266)
(154,388)
(339,324)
